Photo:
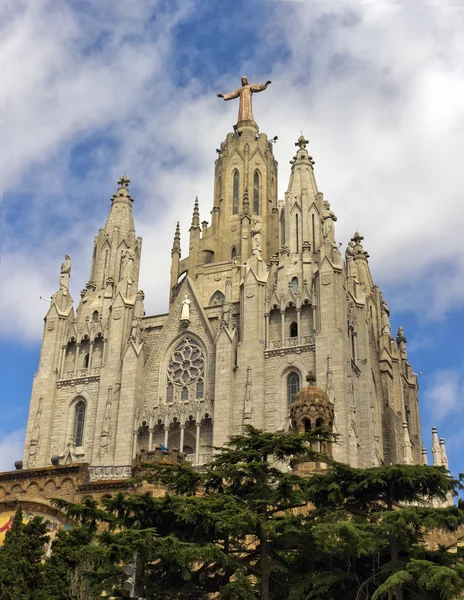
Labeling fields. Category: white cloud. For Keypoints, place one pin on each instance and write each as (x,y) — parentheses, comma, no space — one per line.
(377,89)
(444,393)
(11,449)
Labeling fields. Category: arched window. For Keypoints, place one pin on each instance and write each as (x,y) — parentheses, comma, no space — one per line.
(95,316)
(307,426)
(217,299)
(79,418)
(256,193)
(293,330)
(282,228)
(184,395)
(200,389)
(293,386)
(86,361)
(233,253)
(295,285)
(236,191)
(169,393)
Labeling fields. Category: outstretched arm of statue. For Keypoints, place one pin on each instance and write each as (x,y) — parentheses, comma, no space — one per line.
(230,96)
(259,87)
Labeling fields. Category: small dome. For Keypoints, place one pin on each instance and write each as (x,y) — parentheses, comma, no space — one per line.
(311,408)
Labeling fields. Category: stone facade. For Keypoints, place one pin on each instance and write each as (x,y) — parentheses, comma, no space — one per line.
(262,297)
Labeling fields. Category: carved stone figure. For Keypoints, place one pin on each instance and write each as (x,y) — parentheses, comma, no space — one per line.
(400,337)
(351,267)
(245,112)
(35,437)
(185,315)
(248,408)
(256,233)
(105,434)
(65,274)
(128,258)
(385,321)
(328,217)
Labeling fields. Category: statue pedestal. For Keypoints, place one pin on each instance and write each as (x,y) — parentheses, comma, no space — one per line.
(242,125)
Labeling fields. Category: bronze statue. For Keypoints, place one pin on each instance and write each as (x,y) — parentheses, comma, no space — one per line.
(245,112)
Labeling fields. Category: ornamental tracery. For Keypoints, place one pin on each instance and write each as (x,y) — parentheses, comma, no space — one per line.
(187,363)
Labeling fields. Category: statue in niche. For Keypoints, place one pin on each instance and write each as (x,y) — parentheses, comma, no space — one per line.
(256,233)
(245,112)
(127,267)
(185,314)
(65,274)
(328,217)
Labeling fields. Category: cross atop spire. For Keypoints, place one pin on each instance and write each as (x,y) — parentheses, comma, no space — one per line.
(124,181)
(302,142)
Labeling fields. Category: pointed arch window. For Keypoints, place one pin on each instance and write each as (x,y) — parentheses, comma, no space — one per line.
(95,316)
(293,386)
(233,253)
(282,228)
(293,329)
(200,389)
(235,192)
(79,420)
(256,192)
(295,285)
(184,394)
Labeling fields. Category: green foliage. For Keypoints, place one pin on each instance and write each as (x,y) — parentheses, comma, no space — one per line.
(248,526)
(21,573)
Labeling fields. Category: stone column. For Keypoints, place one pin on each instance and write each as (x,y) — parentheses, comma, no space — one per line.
(282,335)
(266,331)
(298,321)
(78,346)
(197,444)
(150,439)
(63,359)
(181,443)
(90,356)
(166,435)
(134,449)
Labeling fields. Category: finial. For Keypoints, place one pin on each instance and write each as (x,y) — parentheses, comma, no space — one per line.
(246,202)
(124,181)
(196,215)
(311,378)
(302,142)
(424,457)
(176,244)
(444,456)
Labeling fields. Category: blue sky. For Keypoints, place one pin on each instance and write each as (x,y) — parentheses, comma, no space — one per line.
(93,90)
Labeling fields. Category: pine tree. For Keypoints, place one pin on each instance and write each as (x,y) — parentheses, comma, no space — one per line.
(21,575)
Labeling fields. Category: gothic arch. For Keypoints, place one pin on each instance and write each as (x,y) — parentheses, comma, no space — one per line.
(71,404)
(235,191)
(217,298)
(256,199)
(282,408)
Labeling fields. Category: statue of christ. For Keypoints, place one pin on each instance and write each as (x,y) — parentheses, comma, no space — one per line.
(245,112)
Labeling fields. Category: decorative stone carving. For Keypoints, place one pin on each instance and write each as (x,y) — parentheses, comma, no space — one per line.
(185,314)
(35,438)
(328,217)
(385,321)
(256,233)
(187,362)
(248,408)
(109,473)
(105,435)
(65,274)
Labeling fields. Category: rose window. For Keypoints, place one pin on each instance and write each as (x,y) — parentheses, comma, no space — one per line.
(187,363)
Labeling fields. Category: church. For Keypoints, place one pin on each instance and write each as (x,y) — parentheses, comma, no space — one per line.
(263,302)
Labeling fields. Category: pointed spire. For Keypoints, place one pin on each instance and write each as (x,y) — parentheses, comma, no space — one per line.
(444,456)
(121,218)
(176,244)
(196,215)
(436,450)
(246,202)
(407,446)
(424,457)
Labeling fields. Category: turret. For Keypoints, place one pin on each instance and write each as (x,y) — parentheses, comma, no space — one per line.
(436,450)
